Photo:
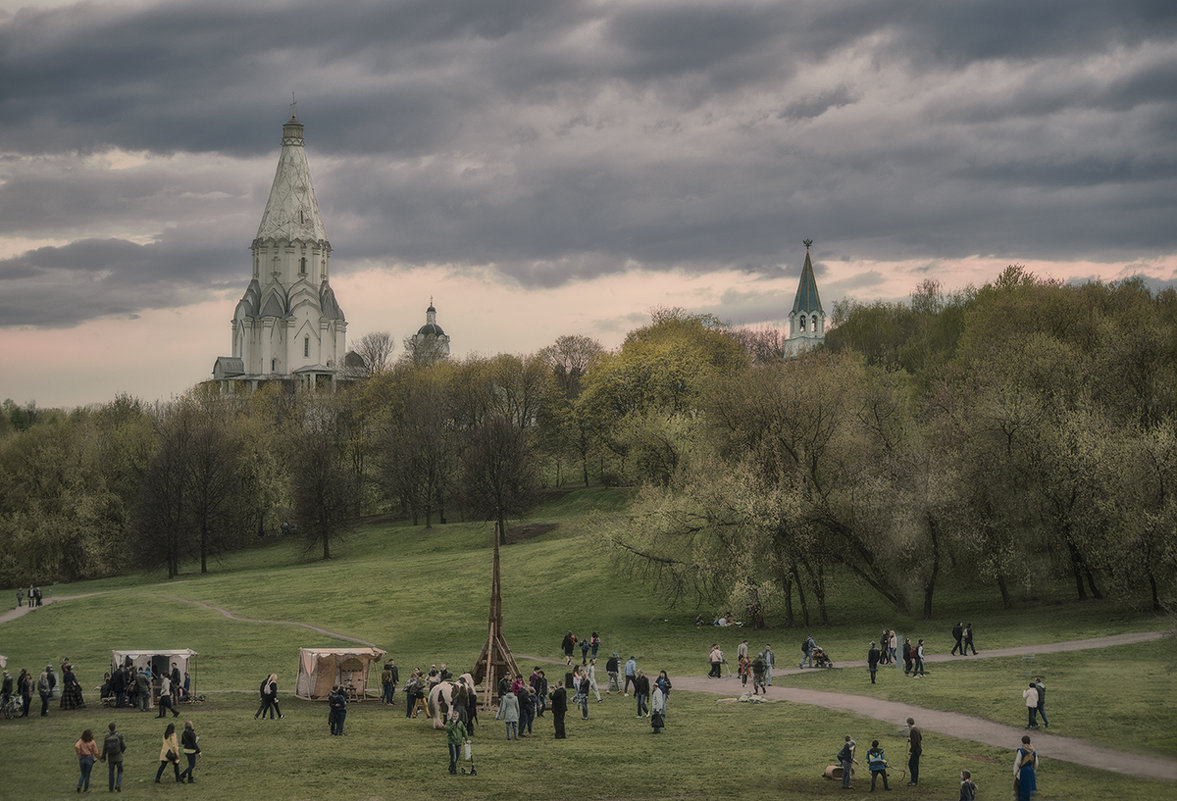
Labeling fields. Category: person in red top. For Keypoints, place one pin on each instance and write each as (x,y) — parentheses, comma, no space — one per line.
(87,751)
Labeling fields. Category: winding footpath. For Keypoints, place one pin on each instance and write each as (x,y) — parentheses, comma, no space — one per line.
(952,724)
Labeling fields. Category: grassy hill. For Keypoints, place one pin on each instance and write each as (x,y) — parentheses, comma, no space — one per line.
(422,595)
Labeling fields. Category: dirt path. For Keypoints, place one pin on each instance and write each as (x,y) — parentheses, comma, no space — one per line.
(231,616)
(13,614)
(954,724)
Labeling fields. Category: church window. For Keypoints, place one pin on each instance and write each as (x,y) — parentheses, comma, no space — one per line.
(273,365)
(302,266)
(306,346)
(803,322)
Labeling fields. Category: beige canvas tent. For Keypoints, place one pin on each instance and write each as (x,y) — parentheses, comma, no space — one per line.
(320,669)
(160,660)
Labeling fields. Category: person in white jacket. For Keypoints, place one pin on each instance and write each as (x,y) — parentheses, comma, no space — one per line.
(509,714)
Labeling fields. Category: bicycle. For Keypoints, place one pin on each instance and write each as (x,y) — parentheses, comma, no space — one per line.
(10,709)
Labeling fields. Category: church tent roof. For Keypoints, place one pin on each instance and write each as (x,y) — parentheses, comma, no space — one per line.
(807,299)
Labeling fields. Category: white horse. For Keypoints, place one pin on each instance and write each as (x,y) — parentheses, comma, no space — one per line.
(447,696)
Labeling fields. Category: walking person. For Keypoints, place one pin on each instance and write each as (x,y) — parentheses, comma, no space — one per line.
(968,639)
(908,656)
(716,659)
(269,698)
(968,787)
(1025,770)
(641,691)
(591,675)
(165,697)
(807,647)
(872,661)
(190,746)
(658,709)
(919,659)
(915,746)
(87,751)
(113,748)
(846,760)
(769,664)
(567,645)
(1030,697)
(663,683)
(759,668)
(595,643)
(612,667)
(169,752)
(455,736)
(20,597)
(509,714)
(876,761)
(957,634)
(742,659)
(559,708)
(1041,688)
(631,672)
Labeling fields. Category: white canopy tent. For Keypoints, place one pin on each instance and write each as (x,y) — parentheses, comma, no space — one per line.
(160,660)
(320,669)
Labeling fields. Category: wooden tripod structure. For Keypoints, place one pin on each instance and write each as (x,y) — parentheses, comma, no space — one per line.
(496,657)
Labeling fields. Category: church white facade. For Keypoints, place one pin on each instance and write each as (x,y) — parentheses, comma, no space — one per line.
(288,326)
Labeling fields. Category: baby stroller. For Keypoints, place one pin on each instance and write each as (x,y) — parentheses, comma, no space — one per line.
(820,658)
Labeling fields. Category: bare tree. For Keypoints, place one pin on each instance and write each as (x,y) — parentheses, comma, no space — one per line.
(375,349)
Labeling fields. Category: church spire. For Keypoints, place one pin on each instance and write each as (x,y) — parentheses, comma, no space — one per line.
(292,213)
(807,299)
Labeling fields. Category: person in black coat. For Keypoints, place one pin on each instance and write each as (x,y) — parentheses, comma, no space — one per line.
(957,634)
(559,708)
(872,661)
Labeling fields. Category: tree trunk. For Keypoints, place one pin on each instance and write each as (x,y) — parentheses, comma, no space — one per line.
(801,595)
(930,584)
(787,584)
(1095,593)
(1004,588)
(1156,600)
(819,590)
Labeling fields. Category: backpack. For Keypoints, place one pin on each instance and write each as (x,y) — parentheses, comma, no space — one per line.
(113,745)
(805,646)
(759,665)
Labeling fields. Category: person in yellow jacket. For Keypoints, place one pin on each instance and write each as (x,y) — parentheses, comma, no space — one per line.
(169,751)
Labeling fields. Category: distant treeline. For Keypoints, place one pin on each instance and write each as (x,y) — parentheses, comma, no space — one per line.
(1005,436)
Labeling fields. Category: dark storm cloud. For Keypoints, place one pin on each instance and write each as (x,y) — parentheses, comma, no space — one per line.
(557,141)
(64,286)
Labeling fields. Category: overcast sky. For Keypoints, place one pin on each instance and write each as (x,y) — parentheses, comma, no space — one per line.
(543,167)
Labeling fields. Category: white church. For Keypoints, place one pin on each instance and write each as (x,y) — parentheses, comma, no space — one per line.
(288,327)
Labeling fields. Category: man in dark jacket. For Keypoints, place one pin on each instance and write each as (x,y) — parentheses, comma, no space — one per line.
(641,691)
(872,661)
(957,634)
(559,708)
(915,744)
(113,748)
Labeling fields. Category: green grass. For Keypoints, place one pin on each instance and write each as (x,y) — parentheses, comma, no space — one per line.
(422,595)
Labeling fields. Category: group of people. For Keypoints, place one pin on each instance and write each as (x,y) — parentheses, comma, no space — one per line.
(46,685)
(588,647)
(758,667)
(1035,698)
(34,596)
(114,748)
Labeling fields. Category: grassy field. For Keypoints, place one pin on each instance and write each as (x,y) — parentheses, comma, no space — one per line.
(422,595)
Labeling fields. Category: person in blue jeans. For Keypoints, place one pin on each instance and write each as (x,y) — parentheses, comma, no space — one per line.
(846,760)
(641,691)
(809,646)
(87,751)
(455,735)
